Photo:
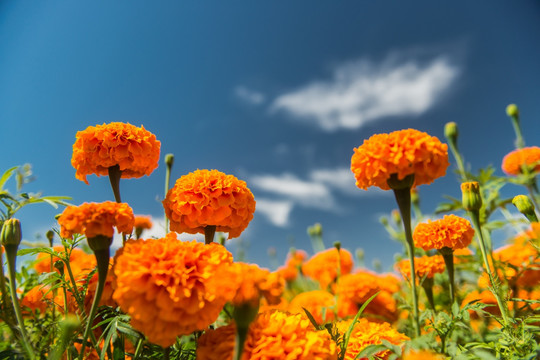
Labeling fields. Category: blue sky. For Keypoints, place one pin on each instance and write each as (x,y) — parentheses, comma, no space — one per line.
(276,93)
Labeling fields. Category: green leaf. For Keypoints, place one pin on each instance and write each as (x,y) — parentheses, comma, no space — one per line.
(5,177)
(312,319)
(370,350)
(347,335)
(34,251)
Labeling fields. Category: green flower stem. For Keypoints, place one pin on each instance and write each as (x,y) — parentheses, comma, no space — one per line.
(76,293)
(3,288)
(102,258)
(494,283)
(167,186)
(427,284)
(114,176)
(448,256)
(459,161)
(138,348)
(403,199)
(241,335)
(11,256)
(167,353)
(243,315)
(520,143)
(209,232)
(533,191)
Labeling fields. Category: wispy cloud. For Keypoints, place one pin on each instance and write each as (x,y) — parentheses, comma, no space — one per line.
(363,91)
(276,211)
(248,95)
(318,190)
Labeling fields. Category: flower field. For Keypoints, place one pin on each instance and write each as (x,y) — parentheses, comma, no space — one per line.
(452,294)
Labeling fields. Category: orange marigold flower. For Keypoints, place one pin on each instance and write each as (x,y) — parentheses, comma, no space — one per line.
(402,152)
(528,157)
(94,219)
(249,283)
(426,266)
(142,222)
(280,335)
(272,335)
(36,298)
(485,297)
(171,287)
(452,232)
(353,290)
(217,344)
(314,302)
(135,150)
(367,333)
(294,262)
(520,261)
(422,355)
(324,266)
(209,197)
(80,262)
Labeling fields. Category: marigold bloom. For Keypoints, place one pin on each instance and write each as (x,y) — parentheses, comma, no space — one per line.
(422,355)
(135,150)
(353,290)
(280,335)
(402,152)
(80,262)
(314,302)
(324,266)
(520,261)
(217,344)
(367,333)
(272,335)
(452,231)
(36,298)
(528,157)
(483,297)
(292,265)
(426,266)
(249,283)
(209,197)
(171,287)
(142,222)
(94,219)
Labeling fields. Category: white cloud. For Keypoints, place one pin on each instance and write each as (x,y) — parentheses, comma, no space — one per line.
(250,96)
(363,91)
(341,179)
(307,193)
(276,211)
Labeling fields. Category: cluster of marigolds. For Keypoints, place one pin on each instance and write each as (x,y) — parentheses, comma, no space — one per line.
(171,288)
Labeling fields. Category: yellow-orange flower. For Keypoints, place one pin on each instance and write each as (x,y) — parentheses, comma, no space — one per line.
(272,335)
(249,283)
(142,222)
(484,297)
(520,261)
(367,333)
(36,298)
(94,219)
(426,266)
(294,261)
(209,198)
(403,153)
(170,287)
(280,335)
(528,157)
(422,355)
(452,232)
(135,150)
(324,266)
(314,302)
(353,290)
(80,262)
(217,344)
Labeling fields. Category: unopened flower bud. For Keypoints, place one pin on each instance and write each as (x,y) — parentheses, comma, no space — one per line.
(525,206)
(512,110)
(360,254)
(451,132)
(169,160)
(11,232)
(59,265)
(337,245)
(317,229)
(50,236)
(471,198)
